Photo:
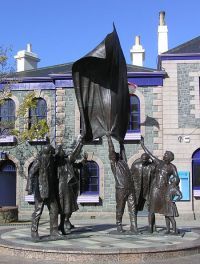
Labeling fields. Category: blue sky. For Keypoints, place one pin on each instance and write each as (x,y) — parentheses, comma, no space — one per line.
(63,31)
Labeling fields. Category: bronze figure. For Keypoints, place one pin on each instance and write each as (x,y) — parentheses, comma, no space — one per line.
(163,171)
(68,184)
(41,183)
(142,171)
(173,191)
(124,186)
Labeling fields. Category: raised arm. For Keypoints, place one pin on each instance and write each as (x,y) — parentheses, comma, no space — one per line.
(122,152)
(155,159)
(112,154)
(74,154)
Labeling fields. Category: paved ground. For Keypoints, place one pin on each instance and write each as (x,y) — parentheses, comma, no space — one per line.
(89,240)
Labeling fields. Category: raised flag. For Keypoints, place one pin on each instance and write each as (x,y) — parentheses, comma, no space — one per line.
(100,82)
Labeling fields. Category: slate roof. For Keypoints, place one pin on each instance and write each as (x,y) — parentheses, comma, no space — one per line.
(67,68)
(192,46)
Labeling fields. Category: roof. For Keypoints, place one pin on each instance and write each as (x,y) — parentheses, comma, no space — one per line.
(67,69)
(192,46)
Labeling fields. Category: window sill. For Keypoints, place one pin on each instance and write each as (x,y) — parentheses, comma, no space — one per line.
(196,193)
(81,199)
(29,198)
(88,199)
(39,140)
(133,136)
(8,139)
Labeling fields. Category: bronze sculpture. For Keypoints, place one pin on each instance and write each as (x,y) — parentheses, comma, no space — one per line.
(163,171)
(124,186)
(142,171)
(41,183)
(68,182)
(171,209)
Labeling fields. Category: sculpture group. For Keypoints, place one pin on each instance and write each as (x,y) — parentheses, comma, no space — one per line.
(54,182)
(100,83)
(150,181)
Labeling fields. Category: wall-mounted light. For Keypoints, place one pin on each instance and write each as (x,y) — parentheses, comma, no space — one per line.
(185,139)
(180,139)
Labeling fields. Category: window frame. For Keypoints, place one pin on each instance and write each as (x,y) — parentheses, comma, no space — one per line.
(134,134)
(32,113)
(10,116)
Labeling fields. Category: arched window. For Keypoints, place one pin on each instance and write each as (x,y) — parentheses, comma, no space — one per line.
(196,172)
(7,116)
(39,112)
(89,178)
(134,121)
(7,183)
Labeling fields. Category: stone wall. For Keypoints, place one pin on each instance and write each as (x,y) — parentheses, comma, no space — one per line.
(181,118)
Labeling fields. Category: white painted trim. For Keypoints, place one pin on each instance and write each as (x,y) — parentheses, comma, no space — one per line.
(8,139)
(88,199)
(133,136)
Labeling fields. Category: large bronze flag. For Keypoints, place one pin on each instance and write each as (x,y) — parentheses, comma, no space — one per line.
(100,82)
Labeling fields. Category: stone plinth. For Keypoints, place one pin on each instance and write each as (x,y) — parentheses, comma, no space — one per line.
(8,214)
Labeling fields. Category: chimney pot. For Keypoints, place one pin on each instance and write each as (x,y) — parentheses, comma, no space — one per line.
(162,34)
(137,40)
(162,18)
(137,53)
(29,47)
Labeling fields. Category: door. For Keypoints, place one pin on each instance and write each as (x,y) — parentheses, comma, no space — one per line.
(7,184)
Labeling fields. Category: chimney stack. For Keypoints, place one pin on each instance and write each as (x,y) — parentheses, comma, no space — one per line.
(26,59)
(162,34)
(137,53)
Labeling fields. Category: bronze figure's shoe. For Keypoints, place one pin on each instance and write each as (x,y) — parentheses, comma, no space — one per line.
(150,229)
(120,229)
(134,230)
(55,233)
(62,229)
(35,236)
(69,226)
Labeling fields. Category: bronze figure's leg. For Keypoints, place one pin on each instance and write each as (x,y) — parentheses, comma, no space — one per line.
(151,220)
(68,224)
(62,224)
(167,220)
(132,213)
(39,205)
(173,222)
(53,214)
(120,205)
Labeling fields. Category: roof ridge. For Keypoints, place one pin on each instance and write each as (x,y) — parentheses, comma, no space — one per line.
(47,67)
(185,44)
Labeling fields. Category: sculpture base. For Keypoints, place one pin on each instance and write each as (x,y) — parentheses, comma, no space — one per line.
(88,244)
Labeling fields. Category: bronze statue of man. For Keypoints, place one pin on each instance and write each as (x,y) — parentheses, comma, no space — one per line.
(42,183)
(68,184)
(163,171)
(142,171)
(124,186)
